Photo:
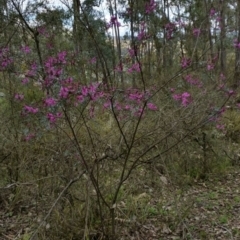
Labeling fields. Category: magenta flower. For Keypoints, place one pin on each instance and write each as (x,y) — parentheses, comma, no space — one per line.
(19,97)
(25,81)
(58,114)
(134,68)
(177,97)
(193,81)
(210,66)
(63,92)
(221,86)
(84,91)
(196,32)
(212,12)
(170,28)
(5,59)
(127,107)
(61,57)
(141,35)
(93,60)
(230,92)
(42,30)
(139,112)
(107,105)
(49,45)
(80,98)
(152,106)
(142,32)
(118,106)
(185,98)
(131,52)
(185,62)
(5,63)
(113,22)
(150,6)
(218,19)
(29,109)
(236,44)
(136,96)
(222,76)
(220,126)
(108,25)
(222,110)
(93,88)
(50,102)
(181,23)
(52,118)
(26,49)
(172,90)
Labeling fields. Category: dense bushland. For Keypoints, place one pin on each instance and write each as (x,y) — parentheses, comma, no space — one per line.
(95,125)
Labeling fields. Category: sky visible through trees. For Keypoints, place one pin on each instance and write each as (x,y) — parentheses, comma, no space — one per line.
(96,115)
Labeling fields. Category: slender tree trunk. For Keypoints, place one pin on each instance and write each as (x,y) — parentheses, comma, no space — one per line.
(237,58)
(222,39)
(208,26)
(3,18)
(76,27)
(133,44)
(164,59)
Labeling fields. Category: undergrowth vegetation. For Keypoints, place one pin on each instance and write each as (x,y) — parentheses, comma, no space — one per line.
(94,138)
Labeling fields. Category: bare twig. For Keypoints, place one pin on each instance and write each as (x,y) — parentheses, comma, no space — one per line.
(230,233)
(26,183)
(55,203)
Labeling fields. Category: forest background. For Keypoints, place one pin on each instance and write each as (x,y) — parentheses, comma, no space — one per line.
(111,110)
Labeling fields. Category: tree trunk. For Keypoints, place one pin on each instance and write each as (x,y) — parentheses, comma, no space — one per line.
(222,39)
(237,58)
(76,27)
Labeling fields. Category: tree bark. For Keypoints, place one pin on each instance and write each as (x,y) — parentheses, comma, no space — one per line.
(237,58)
(222,39)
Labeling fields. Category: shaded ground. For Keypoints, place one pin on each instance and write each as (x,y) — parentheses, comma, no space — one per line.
(206,210)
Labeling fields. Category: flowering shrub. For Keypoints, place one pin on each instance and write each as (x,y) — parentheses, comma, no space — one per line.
(196,32)
(185,62)
(5,59)
(30,109)
(185,98)
(113,22)
(106,115)
(150,6)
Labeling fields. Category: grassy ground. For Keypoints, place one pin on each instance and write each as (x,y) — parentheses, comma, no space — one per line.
(204,210)
(207,209)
